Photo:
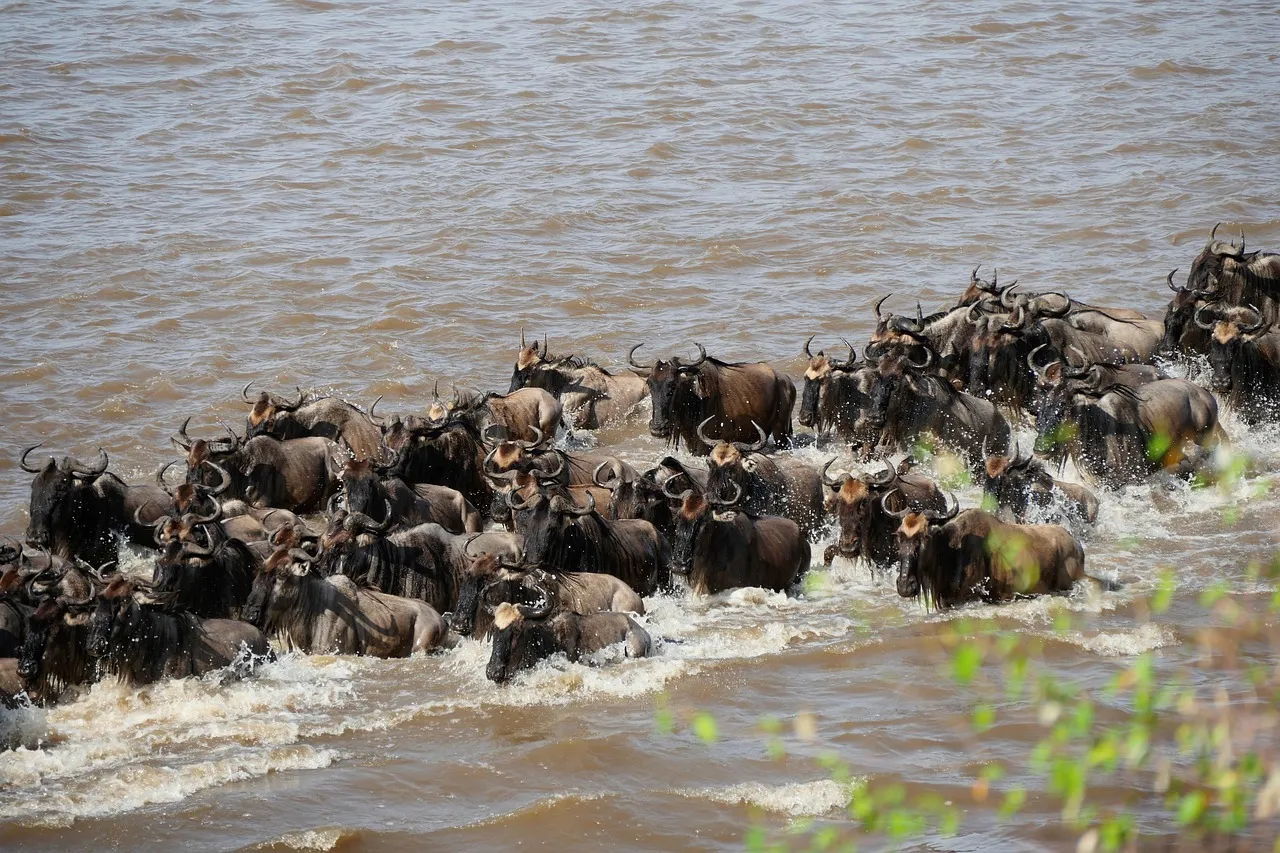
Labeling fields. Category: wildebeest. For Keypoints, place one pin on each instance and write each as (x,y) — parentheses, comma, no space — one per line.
(635,496)
(1240,279)
(333,615)
(524,635)
(1121,435)
(141,643)
(491,580)
(835,393)
(447,452)
(953,557)
(1022,484)
(863,508)
(518,486)
(560,536)
(321,417)
(296,474)
(908,401)
(593,396)
(522,414)
(55,650)
(210,581)
(1181,335)
(737,396)
(1244,360)
(365,491)
(718,547)
(766,485)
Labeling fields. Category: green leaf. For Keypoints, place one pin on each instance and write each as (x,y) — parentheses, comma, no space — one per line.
(704,726)
(984,717)
(1191,807)
(968,658)
(1164,592)
(1013,802)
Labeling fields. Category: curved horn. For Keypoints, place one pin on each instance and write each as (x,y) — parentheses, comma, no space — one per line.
(244,393)
(1019,317)
(590,508)
(1214,233)
(285,406)
(180,438)
(368,525)
(928,352)
(702,355)
(1084,359)
(595,476)
(553,475)
(737,496)
(808,354)
(853,355)
(827,479)
(1040,370)
(1242,239)
(487,465)
(491,440)
(522,344)
(536,611)
(703,436)
(973,276)
(160,472)
(373,419)
(539,439)
(881,302)
(756,446)
(522,505)
(975,307)
(80,470)
(885,477)
(631,358)
(1169,280)
(137,517)
(884,505)
(919,317)
(666,489)
(22,460)
(1201,323)
(223,475)
(1006,293)
(1256,327)
(302,556)
(948,514)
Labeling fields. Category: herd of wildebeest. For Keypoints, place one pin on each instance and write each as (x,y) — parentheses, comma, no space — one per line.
(328,529)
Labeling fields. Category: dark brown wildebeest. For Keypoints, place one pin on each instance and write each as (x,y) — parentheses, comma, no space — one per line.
(1181,335)
(297,474)
(490,581)
(321,417)
(1240,279)
(1122,435)
(55,650)
(908,401)
(528,413)
(560,536)
(639,496)
(333,615)
(517,486)
(954,557)
(1022,484)
(736,396)
(447,452)
(718,548)
(863,508)
(365,491)
(591,395)
(140,643)
(765,485)
(835,393)
(1244,357)
(78,510)
(524,635)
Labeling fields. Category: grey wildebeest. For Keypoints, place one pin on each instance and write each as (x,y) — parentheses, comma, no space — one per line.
(524,635)
(297,474)
(592,396)
(736,396)
(766,485)
(321,417)
(140,643)
(1021,485)
(560,536)
(492,580)
(1122,435)
(1244,360)
(718,547)
(334,615)
(863,509)
(528,413)
(1225,269)
(954,557)
(908,401)
(77,510)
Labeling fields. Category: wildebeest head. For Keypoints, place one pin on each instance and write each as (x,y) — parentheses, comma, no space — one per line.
(915,534)
(1229,330)
(115,615)
(691,518)
(817,379)
(262,419)
(488,582)
(855,500)
(62,499)
(1180,314)
(730,463)
(1210,264)
(51,649)
(521,638)
(529,362)
(635,497)
(892,366)
(363,489)
(1011,480)
(549,525)
(277,585)
(673,385)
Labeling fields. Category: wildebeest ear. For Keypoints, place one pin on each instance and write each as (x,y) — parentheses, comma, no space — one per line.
(957,384)
(997,465)
(749,463)
(1054,372)
(697,388)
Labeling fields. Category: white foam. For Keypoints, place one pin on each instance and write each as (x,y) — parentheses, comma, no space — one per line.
(797,799)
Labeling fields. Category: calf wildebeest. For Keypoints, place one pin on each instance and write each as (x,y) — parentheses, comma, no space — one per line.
(1239,278)
(1122,435)
(296,474)
(333,615)
(78,510)
(524,635)
(865,525)
(365,491)
(140,643)
(908,401)
(593,396)
(559,536)
(491,580)
(765,485)
(953,557)
(1244,357)
(1021,484)
(718,548)
(737,396)
(523,414)
(321,417)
